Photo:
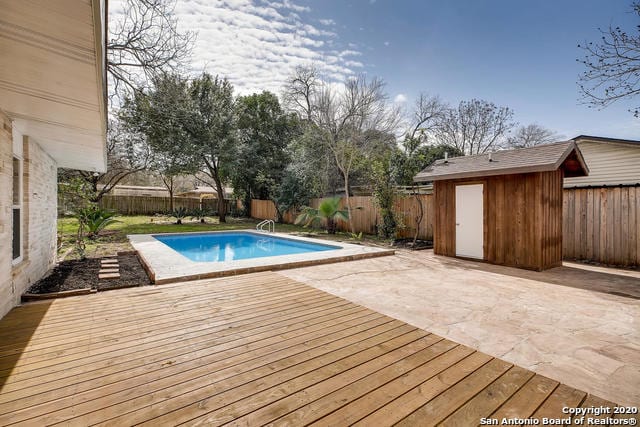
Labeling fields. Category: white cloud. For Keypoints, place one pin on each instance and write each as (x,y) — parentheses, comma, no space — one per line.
(349,52)
(386,43)
(258,44)
(400,98)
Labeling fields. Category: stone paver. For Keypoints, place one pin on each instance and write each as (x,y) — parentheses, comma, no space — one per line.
(577,324)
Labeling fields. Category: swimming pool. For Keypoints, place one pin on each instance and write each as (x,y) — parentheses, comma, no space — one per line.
(230,246)
(201,255)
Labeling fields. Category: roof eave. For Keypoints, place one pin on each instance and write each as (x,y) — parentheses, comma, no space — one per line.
(100,22)
(570,149)
(478,174)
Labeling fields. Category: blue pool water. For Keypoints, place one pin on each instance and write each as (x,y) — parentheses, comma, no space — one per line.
(230,246)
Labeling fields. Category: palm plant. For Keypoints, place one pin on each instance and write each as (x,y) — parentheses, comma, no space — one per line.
(179,214)
(94,220)
(200,214)
(328,212)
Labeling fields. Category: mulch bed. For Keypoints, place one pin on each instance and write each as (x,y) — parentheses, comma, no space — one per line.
(408,244)
(81,274)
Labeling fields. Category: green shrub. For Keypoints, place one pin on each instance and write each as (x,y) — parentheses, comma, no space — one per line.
(199,214)
(93,220)
(328,212)
(179,214)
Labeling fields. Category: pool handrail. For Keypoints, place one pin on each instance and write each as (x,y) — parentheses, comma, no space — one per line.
(269,223)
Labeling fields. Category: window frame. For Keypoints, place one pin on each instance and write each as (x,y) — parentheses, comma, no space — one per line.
(19,207)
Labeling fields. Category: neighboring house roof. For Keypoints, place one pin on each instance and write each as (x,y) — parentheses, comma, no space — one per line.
(603,139)
(53,77)
(138,190)
(541,158)
(140,187)
(204,190)
(611,162)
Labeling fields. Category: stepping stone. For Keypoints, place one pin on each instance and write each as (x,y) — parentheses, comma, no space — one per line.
(108,270)
(108,276)
(109,261)
(109,266)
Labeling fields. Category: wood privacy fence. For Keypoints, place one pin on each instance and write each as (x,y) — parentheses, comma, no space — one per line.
(599,224)
(365,215)
(602,225)
(149,205)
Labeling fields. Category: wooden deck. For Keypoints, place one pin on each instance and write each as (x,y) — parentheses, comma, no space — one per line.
(250,350)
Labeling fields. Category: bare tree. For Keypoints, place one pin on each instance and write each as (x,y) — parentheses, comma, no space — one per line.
(612,66)
(349,119)
(530,136)
(144,43)
(475,126)
(346,119)
(301,90)
(427,112)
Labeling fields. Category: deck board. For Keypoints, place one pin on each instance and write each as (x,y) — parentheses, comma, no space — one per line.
(249,350)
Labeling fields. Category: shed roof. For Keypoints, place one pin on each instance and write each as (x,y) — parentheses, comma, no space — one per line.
(542,158)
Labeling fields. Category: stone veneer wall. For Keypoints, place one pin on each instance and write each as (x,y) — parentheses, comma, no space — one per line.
(39,217)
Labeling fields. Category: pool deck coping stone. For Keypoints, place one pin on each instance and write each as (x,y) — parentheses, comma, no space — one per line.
(165,265)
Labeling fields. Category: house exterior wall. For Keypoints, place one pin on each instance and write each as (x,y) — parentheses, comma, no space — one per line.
(609,164)
(39,218)
(522,224)
(7,300)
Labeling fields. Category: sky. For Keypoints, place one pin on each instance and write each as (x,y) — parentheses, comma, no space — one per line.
(514,53)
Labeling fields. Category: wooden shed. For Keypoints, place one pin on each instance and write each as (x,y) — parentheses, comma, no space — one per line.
(504,207)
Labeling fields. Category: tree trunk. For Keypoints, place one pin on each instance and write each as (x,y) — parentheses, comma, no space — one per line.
(331,226)
(279,214)
(347,201)
(170,187)
(97,195)
(419,217)
(222,214)
(247,204)
(213,173)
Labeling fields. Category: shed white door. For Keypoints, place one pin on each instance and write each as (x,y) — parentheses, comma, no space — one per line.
(469,221)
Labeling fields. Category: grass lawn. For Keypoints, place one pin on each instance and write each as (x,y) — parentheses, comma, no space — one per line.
(114,237)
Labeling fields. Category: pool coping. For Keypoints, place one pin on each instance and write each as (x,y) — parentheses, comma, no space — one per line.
(165,265)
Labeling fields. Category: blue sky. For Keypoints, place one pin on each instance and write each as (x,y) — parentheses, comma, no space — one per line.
(520,54)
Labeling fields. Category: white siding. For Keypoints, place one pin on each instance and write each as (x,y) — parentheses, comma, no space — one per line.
(609,163)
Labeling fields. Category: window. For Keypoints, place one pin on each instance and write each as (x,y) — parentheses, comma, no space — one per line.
(17,210)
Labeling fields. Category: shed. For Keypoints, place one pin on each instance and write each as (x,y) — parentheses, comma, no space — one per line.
(503,207)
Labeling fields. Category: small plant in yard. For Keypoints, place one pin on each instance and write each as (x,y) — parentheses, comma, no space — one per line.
(81,247)
(356,236)
(93,220)
(328,212)
(200,214)
(179,214)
